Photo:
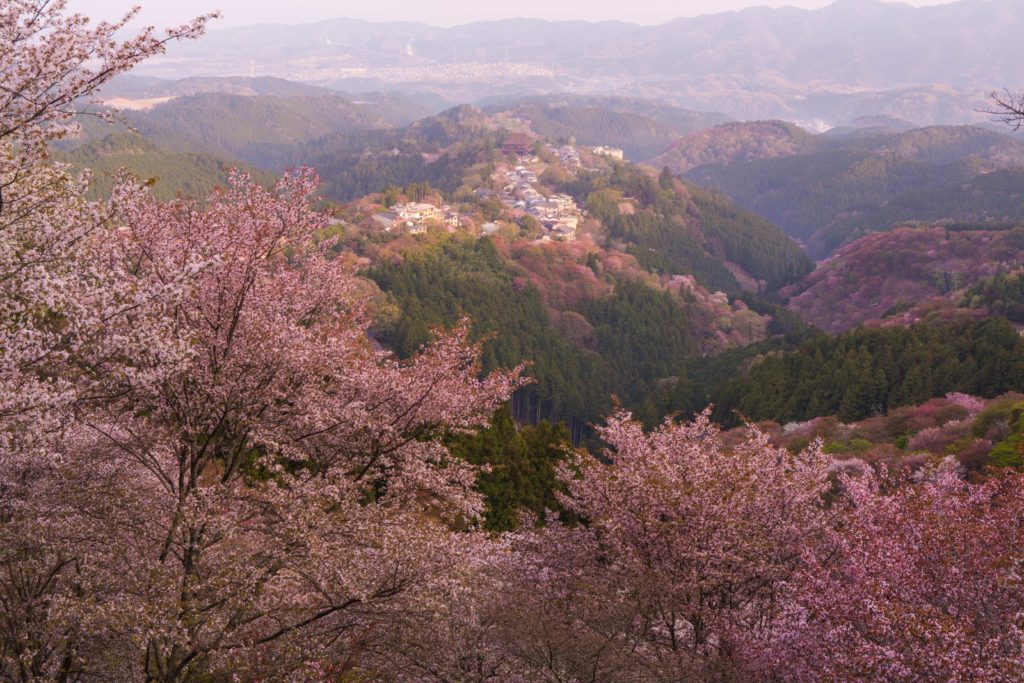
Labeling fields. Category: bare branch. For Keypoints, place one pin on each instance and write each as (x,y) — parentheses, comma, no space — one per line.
(1007,108)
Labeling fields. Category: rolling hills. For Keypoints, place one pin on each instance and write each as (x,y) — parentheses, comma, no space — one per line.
(903,275)
(829,190)
(169,174)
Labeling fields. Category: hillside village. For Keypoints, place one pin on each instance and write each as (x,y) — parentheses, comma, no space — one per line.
(548,241)
(516,184)
(522,195)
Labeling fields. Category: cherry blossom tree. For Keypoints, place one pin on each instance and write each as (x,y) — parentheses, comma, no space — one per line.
(67,314)
(53,297)
(923,584)
(685,552)
(972,404)
(52,60)
(274,496)
(206,465)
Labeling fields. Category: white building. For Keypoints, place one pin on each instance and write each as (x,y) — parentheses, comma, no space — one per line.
(613,152)
(418,212)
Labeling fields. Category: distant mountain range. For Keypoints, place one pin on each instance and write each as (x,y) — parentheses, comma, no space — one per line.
(852,58)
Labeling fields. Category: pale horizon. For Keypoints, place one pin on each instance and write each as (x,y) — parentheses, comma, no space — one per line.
(442,13)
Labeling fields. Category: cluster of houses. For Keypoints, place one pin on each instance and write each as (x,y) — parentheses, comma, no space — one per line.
(557,213)
(414,217)
(569,156)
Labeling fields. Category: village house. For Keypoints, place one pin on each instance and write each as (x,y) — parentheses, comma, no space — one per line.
(385,220)
(451,217)
(418,212)
(572,222)
(563,233)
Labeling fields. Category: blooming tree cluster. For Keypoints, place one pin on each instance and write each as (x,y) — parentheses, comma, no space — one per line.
(58,294)
(922,583)
(686,553)
(206,465)
(209,472)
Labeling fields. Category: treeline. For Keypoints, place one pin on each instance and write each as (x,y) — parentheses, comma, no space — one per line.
(868,371)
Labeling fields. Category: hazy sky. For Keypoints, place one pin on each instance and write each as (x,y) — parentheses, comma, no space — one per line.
(436,12)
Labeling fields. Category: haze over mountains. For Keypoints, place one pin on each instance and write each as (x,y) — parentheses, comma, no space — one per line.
(752,190)
(852,58)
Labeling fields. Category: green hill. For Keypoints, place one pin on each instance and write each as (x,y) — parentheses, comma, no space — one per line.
(172,173)
(265,131)
(836,190)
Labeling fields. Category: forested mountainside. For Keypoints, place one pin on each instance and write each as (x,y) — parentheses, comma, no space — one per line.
(827,191)
(627,308)
(263,130)
(867,372)
(620,309)
(169,174)
(991,198)
(733,143)
(904,275)
(259,130)
(736,142)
